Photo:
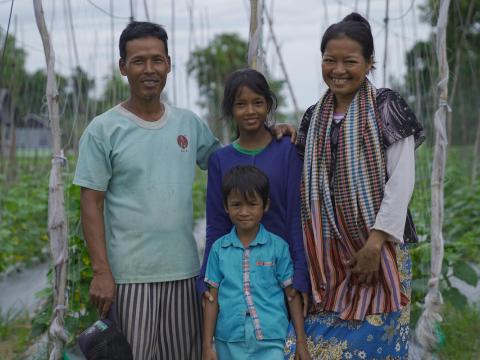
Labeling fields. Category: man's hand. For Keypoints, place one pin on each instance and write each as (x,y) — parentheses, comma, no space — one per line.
(102,292)
(365,263)
(301,351)
(206,297)
(279,130)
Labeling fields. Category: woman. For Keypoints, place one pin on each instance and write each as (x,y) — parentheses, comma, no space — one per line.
(358,146)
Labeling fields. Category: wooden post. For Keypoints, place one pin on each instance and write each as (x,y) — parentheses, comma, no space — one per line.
(426,327)
(57,219)
(255,58)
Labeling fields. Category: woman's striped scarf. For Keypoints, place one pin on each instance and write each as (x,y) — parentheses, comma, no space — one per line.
(335,231)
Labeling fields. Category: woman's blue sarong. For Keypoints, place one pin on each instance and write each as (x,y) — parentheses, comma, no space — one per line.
(382,336)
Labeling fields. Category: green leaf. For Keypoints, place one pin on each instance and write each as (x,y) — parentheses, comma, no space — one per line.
(465,272)
(455,297)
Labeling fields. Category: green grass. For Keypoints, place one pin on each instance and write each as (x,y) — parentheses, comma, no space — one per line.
(462,333)
(15,332)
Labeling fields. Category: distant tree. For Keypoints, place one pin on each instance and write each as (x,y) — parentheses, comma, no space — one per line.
(211,66)
(12,68)
(116,89)
(463,46)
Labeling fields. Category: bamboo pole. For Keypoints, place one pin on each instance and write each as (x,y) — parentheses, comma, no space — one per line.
(387,8)
(57,219)
(173,51)
(456,70)
(282,64)
(476,151)
(426,327)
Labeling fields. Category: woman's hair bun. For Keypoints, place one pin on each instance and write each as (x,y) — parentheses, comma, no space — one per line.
(357,17)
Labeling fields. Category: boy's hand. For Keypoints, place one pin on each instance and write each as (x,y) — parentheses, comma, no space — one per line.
(206,297)
(301,352)
(208,353)
(292,292)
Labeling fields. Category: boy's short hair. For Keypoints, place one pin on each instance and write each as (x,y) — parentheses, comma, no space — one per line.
(248,180)
(138,30)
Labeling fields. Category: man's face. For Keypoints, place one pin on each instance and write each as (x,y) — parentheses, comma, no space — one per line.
(146,67)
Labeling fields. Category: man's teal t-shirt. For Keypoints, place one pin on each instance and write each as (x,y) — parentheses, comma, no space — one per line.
(146,170)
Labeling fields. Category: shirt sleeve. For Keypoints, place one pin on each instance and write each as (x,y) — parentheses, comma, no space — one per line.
(94,168)
(207,143)
(400,160)
(301,280)
(213,276)
(218,222)
(284,267)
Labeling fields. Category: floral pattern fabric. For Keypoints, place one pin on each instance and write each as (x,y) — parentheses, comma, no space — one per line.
(383,336)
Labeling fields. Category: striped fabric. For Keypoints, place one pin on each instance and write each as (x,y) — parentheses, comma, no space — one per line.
(161,320)
(248,295)
(335,231)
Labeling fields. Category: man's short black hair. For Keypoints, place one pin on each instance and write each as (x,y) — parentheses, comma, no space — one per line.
(138,30)
(248,180)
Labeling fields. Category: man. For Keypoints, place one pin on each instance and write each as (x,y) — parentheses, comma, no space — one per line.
(136,168)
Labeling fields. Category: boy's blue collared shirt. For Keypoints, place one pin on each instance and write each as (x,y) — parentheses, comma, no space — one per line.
(250,280)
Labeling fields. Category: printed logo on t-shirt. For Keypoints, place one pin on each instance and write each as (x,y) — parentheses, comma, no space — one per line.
(182,141)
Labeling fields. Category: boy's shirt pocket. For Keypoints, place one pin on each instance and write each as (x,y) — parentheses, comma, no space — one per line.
(264,272)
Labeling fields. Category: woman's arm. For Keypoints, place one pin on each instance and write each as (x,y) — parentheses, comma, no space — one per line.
(400,159)
(210,314)
(390,220)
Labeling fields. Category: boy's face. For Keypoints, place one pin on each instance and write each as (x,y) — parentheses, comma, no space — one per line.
(146,66)
(245,214)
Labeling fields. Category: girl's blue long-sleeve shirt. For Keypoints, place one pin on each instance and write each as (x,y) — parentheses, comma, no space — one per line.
(281,163)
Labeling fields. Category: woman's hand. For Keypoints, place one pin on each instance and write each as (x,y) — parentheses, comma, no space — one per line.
(365,263)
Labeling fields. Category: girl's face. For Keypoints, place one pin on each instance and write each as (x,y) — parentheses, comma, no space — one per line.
(250,110)
(344,68)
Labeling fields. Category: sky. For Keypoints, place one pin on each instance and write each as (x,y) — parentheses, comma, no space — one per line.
(298,26)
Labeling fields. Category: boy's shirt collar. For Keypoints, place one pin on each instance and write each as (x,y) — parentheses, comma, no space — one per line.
(233,240)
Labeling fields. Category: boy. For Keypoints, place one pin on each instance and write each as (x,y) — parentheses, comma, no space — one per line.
(248,271)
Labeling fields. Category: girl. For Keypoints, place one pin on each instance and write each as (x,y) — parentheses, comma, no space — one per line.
(249,101)
(358,145)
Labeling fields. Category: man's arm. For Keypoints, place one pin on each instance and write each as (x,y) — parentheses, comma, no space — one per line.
(102,287)
(210,314)
(296,312)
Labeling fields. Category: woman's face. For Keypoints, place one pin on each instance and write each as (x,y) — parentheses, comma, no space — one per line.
(344,68)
